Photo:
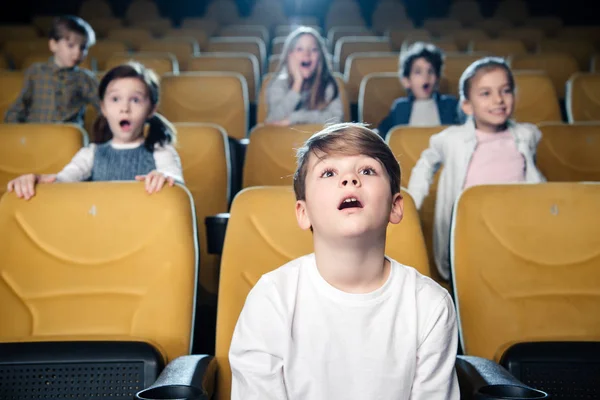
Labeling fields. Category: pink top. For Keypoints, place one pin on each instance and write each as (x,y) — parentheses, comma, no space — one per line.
(496,160)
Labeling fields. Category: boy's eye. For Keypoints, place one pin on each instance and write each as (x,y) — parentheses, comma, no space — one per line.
(367,171)
(136,100)
(507,91)
(114,98)
(327,174)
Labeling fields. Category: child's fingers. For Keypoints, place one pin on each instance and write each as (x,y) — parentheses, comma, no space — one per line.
(159,182)
(140,178)
(170,181)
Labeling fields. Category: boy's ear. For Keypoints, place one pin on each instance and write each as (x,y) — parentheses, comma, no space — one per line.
(405,82)
(53,45)
(466,106)
(397,211)
(302,215)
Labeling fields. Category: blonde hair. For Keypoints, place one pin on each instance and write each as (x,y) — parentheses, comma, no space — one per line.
(321,79)
(346,139)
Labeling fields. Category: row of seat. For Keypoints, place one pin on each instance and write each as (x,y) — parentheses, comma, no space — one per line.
(508,288)
(566,153)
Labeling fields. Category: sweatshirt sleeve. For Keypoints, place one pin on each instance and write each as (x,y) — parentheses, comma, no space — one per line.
(422,173)
(258,346)
(435,374)
(281,100)
(168,162)
(80,167)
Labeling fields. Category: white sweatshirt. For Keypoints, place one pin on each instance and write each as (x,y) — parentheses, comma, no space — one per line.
(298,337)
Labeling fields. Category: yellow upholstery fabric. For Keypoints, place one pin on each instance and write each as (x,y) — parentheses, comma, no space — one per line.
(204,154)
(245,64)
(582,50)
(569,152)
(256,31)
(11,83)
(530,36)
(183,48)
(526,265)
(271,154)
(199,35)
(132,37)
(159,62)
(102,259)
(408,143)
(499,47)
(103,50)
(558,66)
(348,45)
(262,108)
(212,97)
(250,45)
(583,97)
(536,99)
(376,96)
(37,149)
(262,235)
(18,50)
(360,65)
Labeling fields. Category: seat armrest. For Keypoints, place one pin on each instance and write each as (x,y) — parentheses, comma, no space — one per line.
(216,226)
(186,377)
(480,378)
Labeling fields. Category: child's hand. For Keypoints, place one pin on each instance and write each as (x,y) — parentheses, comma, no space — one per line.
(283,122)
(24,185)
(155,181)
(294,70)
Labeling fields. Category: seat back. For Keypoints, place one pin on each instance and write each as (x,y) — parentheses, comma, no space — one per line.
(407,144)
(454,66)
(582,50)
(103,50)
(200,35)
(213,97)
(182,47)
(499,47)
(204,154)
(357,44)
(18,50)
(37,149)
(536,99)
(245,64)
(376,95)
(558,66)
(530,36)
(583,97)
(525,265)
(569,152)
(159,62)
(262,108)
(250,45)
(271,154)
(133,38)
(87,261)
(11,83)
(359,65)
(262,235)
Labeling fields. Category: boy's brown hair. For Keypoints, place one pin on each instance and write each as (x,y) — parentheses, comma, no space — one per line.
(68,24)
(346,139)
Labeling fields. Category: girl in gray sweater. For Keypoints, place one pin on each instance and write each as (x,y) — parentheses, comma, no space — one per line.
(303,90)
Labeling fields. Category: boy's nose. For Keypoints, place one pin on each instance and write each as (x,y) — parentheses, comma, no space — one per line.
(352,181)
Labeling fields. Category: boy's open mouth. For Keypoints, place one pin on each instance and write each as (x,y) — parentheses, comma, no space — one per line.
(426,86)
(350,202)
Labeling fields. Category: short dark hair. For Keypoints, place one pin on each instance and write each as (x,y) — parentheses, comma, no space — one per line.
(428,51)
(64,25)
(485,64)
(346,139)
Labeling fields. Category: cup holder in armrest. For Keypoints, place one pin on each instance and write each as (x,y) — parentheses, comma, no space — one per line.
(216,225)
(171,392)
(506,392)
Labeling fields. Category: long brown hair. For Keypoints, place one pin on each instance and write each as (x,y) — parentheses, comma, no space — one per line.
(160,130)
(320,80)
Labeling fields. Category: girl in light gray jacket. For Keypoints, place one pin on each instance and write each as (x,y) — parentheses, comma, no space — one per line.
(489,148)
(303,90)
